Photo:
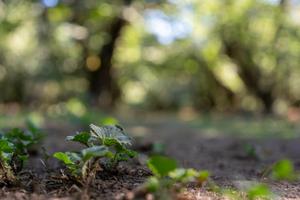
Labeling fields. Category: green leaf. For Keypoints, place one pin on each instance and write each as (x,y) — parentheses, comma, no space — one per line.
(131,153)
(161,165)
(110,155)
(95,151)
(110,132)
(152,184)
(75,157)
(6,157)
(71,160)
(6,146)
(64,157)
(17,133)
(251,151)
(20,139)
(283,170)
(34,131)
(23,157)
(111,142)
(109,121)
(82,137)
(183,175)
(203,176)
(258,191)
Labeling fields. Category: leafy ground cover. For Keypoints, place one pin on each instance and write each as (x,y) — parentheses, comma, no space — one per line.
(216,166)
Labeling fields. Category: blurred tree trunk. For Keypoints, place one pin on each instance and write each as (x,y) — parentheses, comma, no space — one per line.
(103,87)
(216,93)
(249,71)
(102,84)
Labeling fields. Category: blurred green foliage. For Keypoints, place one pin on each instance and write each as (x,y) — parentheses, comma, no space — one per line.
(217,55)
(167,177)
(259,191)
(284,170)
(15,148)
(72,112)
(246,127)
(161,165)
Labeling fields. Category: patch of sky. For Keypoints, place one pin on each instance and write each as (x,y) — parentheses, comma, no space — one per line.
(49,3)
(166,28)
(295,2)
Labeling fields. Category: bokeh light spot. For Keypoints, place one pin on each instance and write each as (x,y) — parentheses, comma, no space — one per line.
(93,63)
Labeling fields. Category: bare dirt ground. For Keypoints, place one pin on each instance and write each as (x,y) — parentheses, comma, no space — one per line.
(223,156)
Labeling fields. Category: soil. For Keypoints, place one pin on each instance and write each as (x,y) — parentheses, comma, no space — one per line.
(225,157)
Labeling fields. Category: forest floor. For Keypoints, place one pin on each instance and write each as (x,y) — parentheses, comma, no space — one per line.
(207,146)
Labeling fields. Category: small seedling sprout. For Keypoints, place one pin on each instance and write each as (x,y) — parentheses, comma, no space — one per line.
(108,144)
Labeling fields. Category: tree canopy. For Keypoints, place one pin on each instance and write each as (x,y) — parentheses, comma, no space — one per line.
(210,55)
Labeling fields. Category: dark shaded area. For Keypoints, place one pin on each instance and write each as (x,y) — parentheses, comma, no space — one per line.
(102,80)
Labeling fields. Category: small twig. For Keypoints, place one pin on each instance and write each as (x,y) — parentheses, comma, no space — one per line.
(74,187)
(267,171)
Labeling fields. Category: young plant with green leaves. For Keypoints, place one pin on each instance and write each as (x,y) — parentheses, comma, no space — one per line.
(284,170)
(108,144)
(14,150)
(281,170)
(259,191)
(6,156)
(167,175)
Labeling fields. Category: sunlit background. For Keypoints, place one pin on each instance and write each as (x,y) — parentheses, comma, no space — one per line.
(185,56)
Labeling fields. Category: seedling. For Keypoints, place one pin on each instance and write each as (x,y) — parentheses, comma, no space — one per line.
(14,150)
(107,144)
(284,170)
(259,191)
(167,175)
(251,151)
(6,155)
(281,170)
